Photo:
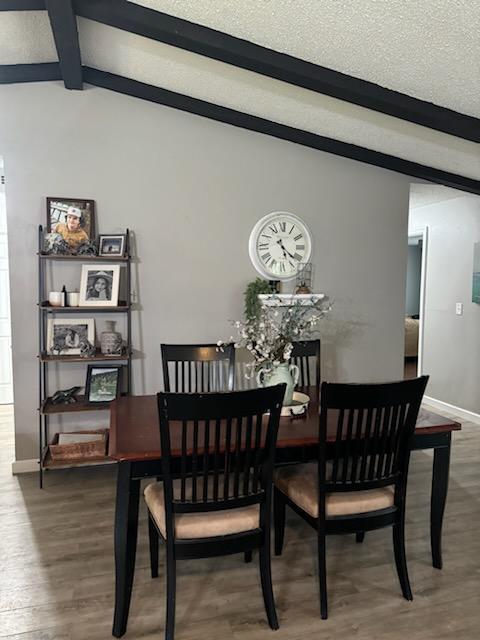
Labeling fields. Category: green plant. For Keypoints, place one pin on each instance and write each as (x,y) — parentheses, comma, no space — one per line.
(252,303)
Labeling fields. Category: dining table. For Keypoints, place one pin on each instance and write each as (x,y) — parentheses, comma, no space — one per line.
(134,442)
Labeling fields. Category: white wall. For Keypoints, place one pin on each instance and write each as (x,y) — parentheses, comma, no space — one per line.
(192,189)
(451,352)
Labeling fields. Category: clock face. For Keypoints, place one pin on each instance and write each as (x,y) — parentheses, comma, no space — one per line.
(278,243)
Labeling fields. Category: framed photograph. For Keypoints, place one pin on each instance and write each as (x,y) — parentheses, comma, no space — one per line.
(476,273)
(103,383)
(111,246)
(99,285)
(73,219)
(69,336)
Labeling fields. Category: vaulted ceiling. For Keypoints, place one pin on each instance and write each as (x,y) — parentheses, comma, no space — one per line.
(425,51)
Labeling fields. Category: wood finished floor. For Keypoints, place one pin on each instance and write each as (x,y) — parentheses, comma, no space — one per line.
(57,580)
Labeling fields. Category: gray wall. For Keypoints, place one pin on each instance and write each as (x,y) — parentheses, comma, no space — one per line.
(192,189)
(451,342)
(414,270)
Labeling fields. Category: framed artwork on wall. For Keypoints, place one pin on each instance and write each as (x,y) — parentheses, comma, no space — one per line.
(99,285)
(476,273)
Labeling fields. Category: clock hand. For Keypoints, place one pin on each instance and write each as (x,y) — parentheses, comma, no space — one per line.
(284,250)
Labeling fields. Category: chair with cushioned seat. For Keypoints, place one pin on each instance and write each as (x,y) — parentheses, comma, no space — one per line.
(218,452)
(365,433)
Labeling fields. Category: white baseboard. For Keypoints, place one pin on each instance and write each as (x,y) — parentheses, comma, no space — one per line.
(24,466)
(444,406)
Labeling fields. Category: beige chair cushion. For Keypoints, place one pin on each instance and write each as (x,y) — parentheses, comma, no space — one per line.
(299,482)
(200,525)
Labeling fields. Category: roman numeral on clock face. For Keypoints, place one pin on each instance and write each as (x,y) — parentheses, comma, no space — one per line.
(283,226)
(298,237)
(273,227)
(266,257)
(263,245)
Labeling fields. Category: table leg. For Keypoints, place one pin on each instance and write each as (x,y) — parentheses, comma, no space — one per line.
(441,464)
(126,525)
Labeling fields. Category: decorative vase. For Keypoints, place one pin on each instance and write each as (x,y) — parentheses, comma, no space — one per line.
(285,372)
(111,340)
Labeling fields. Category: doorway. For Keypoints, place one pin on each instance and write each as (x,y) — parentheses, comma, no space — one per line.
(6,382)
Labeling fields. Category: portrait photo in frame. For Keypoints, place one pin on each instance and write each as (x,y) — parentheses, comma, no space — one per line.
(70,336)
(73,219)
(99,285)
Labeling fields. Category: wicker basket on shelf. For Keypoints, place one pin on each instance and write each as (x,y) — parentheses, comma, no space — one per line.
(80,450)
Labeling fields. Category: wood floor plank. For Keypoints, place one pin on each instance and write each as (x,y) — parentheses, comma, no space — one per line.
(57,569)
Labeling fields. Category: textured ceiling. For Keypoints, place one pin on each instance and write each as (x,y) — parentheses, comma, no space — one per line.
(158,64)
(26,37)
(286,25)
(429,49)
(422,195)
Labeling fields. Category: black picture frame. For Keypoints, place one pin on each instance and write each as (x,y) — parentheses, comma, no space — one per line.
(57,208)
(115,238)
(93,393)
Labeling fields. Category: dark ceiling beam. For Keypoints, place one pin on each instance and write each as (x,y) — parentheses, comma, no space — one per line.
(283,132)
(64,26)
(12,73)
(247,55)
(22,5)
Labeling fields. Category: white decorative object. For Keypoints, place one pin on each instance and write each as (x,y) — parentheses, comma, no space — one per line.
(55,298)
(278,243)
(110,340)
(73,298)
(287,373)
(298,407)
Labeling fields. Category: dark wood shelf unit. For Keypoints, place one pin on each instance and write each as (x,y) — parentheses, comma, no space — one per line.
(47,256)
(98,357)
(122,307)
(48,463)
(80,405)
(47,410)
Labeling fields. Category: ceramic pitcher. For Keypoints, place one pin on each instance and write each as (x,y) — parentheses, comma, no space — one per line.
(287,373)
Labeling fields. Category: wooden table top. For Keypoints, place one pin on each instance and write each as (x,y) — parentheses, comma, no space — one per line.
(135,434)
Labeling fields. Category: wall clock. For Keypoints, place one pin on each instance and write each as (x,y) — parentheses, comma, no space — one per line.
(278,243)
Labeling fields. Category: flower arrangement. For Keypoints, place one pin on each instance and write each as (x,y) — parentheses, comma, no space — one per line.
(269,335)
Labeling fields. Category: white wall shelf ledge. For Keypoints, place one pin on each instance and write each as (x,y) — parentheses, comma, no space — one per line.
(289,299)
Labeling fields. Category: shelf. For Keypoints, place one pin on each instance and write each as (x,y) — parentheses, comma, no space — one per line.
(289,299)
(98,357)
(80,405)
(121,308)
(45,256)
(48,463)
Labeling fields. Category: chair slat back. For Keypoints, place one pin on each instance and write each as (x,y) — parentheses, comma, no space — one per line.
(198,368)
(224,446)
(374,425)
(306,355)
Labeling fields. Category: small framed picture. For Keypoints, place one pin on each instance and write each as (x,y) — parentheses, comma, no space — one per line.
(73,219)
(70,337)
(111,246)
(103,383)
(99,285)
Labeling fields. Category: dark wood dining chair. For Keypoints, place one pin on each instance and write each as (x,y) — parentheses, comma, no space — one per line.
(366,431)
(306,355)
(197,368)
(220,447)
